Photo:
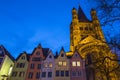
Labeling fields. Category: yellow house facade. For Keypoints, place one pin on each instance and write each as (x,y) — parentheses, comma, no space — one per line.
(6,64)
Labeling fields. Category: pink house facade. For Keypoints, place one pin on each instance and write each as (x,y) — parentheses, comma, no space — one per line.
(77,67)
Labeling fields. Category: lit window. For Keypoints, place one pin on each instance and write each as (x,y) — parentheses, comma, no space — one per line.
(45,65)
(50,65)
(73,63)
(78,63)
(60,63)
(64,63)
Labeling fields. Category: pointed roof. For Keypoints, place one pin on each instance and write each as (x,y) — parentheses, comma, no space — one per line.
(89,39)
(5,52)
(27,55)
(81,15)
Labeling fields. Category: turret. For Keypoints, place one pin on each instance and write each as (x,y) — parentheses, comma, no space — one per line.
(74,15)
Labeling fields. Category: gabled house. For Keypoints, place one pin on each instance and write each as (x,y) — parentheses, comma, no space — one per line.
(20,67)
(62,66)
(77,67)
(6,63)
(48,66)
(35,63)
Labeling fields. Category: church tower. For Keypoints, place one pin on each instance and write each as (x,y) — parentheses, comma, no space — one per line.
(82,28)
(87,38)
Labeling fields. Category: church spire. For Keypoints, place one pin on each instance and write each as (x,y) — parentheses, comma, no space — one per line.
(81,15)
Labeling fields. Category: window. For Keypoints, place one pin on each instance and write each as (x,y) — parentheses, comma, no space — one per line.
(79,73)
(60,63)
(20,65)
(37,75)
(21,74)
(32,66)
(62,55)
(50,56)
(30,75)
(86,28)
(43,74)
(14,74)
(36,59)
(64,63)
(81,28)
(1,59)
(78,63)
(62,73)
(37,53)
(45,65)
(23,57)
(50,65)
(39,66)
(57,73)
(66,73)
(73,73)
(49,74)
(74,63)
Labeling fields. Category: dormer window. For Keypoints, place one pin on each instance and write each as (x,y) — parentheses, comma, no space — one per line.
(62,55)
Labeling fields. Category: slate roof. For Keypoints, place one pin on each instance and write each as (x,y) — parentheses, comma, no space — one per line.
(27,55)
(6,52)
(81,15)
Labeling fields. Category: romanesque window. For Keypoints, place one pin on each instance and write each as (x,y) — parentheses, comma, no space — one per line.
(43,74)
(57,73)
(49,74)
(81,28)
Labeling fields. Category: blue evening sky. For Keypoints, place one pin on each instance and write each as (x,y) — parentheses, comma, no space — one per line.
(26,23)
